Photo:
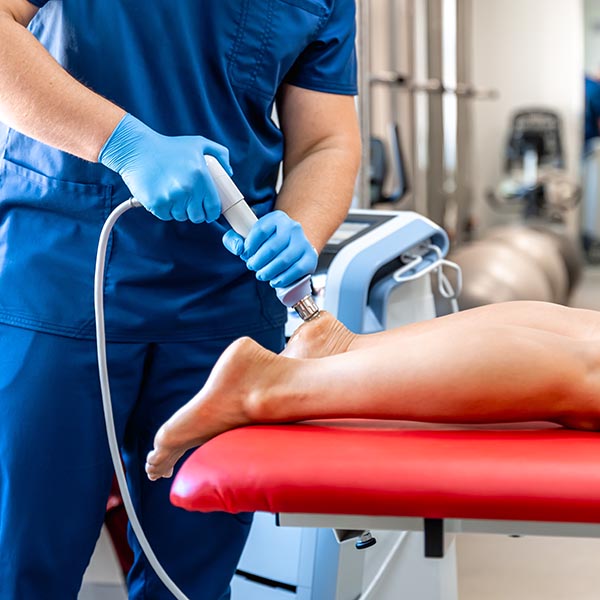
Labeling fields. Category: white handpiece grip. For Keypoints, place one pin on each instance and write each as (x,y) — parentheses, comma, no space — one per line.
(233,206)
(241,218)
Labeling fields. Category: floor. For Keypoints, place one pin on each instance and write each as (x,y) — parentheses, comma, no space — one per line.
(528,568)
(103,579)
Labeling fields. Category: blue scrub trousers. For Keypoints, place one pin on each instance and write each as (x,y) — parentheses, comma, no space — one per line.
(55,468)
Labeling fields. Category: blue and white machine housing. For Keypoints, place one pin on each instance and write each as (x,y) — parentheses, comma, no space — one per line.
(368,274)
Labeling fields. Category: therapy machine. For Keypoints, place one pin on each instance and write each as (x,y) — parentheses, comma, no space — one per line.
(373,274)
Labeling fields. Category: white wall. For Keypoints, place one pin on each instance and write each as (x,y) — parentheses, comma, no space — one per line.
(592,35)
(532,52)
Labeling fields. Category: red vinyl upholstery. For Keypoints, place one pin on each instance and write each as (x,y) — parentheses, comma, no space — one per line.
(533,472)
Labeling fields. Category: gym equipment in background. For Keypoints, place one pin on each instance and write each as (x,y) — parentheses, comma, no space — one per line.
(494,271)
(540,249)
(384,165)
(518,262)
(537,130)
(536,183)
(535,258)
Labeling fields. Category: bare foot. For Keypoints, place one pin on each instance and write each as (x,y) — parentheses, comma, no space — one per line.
(236,389)
(323,336)
(243,374)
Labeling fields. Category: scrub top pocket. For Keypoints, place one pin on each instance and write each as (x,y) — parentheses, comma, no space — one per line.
(271,35)
(49,231)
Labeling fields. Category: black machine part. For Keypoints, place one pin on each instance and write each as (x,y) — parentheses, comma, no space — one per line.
(539,130)
(381,167)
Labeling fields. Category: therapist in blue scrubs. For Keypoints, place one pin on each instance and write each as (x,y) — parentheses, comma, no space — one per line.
(105,99)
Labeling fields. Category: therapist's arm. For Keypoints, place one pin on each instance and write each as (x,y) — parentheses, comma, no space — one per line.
(167,175)
(40,99)
(321,159)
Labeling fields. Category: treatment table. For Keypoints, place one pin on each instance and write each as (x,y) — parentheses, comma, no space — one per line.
(409,486)
(357,475)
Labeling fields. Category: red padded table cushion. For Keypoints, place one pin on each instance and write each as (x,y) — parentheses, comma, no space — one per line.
(532,472)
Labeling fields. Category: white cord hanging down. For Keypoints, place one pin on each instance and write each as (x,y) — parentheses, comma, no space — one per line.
(445,288)
(107,402)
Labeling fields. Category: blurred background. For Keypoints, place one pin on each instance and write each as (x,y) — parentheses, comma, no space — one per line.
(474,113)
(483,115)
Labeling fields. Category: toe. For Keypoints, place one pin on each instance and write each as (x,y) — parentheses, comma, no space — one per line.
(157,465)
(161,463)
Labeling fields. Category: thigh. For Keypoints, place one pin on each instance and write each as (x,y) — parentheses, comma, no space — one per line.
(55,471)
(199,551)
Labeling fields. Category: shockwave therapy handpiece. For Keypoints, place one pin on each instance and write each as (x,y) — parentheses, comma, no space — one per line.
(239,215)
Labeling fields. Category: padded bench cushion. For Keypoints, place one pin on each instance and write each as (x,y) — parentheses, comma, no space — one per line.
(532,472)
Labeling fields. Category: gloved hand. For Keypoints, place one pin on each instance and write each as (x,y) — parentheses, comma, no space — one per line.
(276,248)
(167,175)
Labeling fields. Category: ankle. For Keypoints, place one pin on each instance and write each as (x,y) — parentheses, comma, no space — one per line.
(268,397)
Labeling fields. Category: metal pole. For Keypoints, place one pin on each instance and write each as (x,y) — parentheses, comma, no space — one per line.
(411,107)
(464,191)
(436,202)
(401,25)
(420,105)
(364,68)
(393,52)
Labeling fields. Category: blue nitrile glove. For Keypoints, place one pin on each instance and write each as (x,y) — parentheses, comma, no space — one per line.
(167,175)
(276,248)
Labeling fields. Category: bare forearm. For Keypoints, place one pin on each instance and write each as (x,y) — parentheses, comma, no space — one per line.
(40,99)
(322,154)
(317,192)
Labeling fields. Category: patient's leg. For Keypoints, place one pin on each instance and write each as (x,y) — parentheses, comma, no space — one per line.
(326,335)
(450,372)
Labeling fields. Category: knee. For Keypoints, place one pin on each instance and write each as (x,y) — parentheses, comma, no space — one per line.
(583,401)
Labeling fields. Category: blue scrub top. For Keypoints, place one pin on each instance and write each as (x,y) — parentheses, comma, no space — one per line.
(592,108)
(184,67)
